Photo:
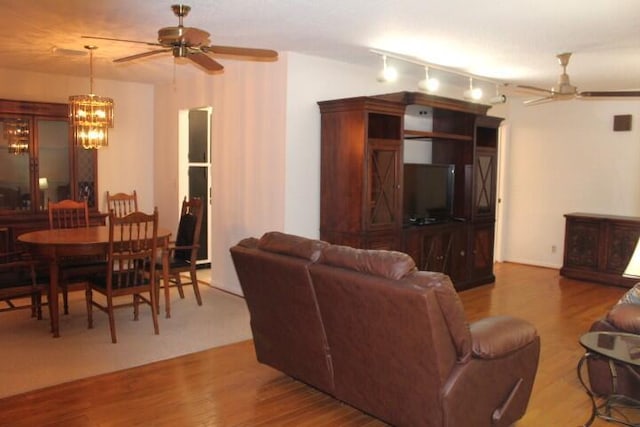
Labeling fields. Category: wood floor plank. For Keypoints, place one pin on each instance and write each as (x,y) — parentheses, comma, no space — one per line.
(227,387)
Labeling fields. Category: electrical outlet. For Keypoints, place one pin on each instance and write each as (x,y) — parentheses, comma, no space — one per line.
(553,249)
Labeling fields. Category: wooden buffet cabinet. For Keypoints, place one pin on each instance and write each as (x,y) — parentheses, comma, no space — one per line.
(52,168)
(598,247)
(362,158)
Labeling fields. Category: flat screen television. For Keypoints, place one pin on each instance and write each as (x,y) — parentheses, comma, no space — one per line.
(428,193)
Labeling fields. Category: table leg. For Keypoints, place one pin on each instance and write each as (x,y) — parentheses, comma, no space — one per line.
(609,401)
(53,298)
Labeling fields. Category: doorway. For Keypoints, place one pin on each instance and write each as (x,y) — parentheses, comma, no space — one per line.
(195,170)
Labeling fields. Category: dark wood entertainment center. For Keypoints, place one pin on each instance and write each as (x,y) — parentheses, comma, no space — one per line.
(362,180)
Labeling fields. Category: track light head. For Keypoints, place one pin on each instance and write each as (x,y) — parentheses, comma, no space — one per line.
(472,94)
(429,84)
(498,99)
(388,74)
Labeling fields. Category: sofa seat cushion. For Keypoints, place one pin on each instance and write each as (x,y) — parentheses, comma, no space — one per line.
(388,264)
(288,244)
(498,336)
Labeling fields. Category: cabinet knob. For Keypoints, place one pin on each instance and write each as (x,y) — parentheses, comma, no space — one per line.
(462,253)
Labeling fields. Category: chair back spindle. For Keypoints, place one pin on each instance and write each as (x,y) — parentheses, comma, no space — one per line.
(122,203)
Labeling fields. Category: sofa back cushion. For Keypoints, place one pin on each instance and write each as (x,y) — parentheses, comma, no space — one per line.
(288,244)
(387,264)
(450,306)
(285,321)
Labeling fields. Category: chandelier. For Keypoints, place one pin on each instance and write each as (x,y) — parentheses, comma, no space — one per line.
(90,115)
(16,132)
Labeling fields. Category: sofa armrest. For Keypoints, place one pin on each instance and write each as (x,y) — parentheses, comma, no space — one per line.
(625,317)
(497,336)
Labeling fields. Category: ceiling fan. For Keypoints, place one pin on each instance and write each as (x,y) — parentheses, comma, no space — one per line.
(193,44)
(565,90)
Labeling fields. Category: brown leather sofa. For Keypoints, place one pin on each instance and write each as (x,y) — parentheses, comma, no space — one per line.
(604,372)
(371,330)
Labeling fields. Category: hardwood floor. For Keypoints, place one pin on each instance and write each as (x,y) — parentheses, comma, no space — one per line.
(226,386)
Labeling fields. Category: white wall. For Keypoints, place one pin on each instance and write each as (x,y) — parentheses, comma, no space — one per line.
(248,152)
(126,164)
(564,157)
(266,145)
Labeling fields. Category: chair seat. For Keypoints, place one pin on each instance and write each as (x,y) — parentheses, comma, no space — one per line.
(99,282)
(79,267)
(175,264)
(13,279)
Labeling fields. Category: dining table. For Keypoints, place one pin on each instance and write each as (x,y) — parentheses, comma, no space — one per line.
(53,245)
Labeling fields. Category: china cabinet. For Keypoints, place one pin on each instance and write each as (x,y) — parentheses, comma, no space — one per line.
(46,166)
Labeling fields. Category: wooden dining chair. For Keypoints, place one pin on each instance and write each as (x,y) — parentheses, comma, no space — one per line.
(122,203)
(129,270)
(68,214)
(19,288)
(73,214)
(183,252)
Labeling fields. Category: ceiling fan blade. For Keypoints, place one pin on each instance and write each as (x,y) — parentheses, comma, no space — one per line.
(141,55)
(611,93)
(534,89)
(247,52)
(121,40)
(538,101)
(205,61)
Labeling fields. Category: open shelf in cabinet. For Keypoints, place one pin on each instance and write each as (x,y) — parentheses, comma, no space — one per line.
(418,134)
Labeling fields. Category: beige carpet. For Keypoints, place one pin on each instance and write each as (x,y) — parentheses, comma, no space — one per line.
(30,358)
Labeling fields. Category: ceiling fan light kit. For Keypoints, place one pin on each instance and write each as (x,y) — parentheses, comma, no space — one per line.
(193,44)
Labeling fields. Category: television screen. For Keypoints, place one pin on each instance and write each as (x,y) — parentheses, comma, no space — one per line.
(428,192)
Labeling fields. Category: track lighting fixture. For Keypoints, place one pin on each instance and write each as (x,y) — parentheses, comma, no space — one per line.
(388,74)
(473,94)
(428,84)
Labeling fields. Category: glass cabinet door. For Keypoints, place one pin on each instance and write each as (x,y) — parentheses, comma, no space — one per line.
(38,161)
(484,181)
(15,165)
(384,163)
(53,162)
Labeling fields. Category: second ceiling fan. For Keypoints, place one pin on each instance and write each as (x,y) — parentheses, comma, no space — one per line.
(565,90)
(193,44)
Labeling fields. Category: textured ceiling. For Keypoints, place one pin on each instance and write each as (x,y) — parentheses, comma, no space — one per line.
(510,40)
